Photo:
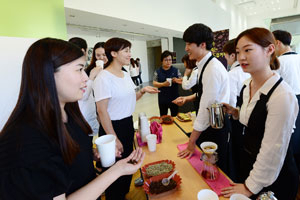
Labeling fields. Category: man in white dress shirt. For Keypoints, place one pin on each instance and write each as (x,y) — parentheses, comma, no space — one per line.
(236,74)
(290,72)
(213,85)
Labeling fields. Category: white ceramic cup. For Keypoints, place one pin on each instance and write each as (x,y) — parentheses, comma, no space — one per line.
(151,142)
(170,81)
(106,145)
(207,194)
(99,63)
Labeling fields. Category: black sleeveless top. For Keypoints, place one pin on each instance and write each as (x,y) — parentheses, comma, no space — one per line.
(253,135)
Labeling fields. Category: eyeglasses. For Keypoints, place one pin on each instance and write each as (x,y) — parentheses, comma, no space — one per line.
(166,60)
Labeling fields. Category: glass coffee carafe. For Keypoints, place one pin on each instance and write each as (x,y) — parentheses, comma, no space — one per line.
(209,157)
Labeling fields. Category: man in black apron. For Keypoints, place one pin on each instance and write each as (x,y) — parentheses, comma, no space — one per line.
(290,72)
(213,87)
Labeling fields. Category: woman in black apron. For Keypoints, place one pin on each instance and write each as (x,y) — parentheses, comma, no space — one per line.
(268,110)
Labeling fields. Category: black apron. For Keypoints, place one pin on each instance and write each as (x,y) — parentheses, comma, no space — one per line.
(218,136)
(286,185)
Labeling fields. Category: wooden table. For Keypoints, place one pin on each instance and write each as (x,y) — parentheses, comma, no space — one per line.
(192,182)
(186,127)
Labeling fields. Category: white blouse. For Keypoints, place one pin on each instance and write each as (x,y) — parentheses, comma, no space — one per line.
(282,110)
(88,108)
(119,91)
(236,81)
(290,70)
(188,83)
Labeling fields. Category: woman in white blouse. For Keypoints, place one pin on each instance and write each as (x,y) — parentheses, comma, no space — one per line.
(115,97)
(268,110)
(191,70)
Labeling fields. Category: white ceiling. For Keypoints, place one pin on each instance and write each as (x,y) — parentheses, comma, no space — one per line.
(105,26)
(256,7)
(97,24)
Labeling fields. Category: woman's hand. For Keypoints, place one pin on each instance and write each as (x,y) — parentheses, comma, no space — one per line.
(236,188)
(231,110)
(177,80)
(119,148)
(132,163)
(188,152)
(96,155)
(179,101)
(187,71)
(150,89)
(94,72)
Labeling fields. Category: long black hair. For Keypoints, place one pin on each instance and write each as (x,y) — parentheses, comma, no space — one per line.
(38,102)
(94,59)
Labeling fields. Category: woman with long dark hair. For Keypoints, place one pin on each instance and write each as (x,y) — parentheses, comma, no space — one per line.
(268,110)
(116,98)
(98,54)
(45,149)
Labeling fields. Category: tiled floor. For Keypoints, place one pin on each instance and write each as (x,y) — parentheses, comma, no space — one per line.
(147,104)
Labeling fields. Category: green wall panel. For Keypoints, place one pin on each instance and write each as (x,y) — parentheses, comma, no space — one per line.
(33,18)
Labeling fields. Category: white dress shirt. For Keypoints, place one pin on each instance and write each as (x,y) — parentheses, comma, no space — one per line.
(236,81)
(282,110)
(188,83)
(290,71)
(215,83)
(119,91)
(88,108)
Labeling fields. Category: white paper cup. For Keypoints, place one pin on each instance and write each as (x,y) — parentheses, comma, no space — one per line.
(144,135)
(151,141)
(170,81)
(106,145)
(99,63)
(207,194)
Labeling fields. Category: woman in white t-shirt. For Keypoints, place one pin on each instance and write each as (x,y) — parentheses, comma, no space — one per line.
(134,71)
(115,97)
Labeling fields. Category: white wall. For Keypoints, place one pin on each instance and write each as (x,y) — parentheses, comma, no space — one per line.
(263,20)
(11,69)
(238,20)
(138,48)
(171,14)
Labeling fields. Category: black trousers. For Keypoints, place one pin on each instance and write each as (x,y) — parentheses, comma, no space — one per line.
(125,132)
(163,108)
(139,78)
(134,79)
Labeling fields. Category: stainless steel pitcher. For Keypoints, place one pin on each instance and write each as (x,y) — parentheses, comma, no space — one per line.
(216,115)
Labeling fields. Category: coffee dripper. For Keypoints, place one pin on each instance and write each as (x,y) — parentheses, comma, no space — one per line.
(209,157)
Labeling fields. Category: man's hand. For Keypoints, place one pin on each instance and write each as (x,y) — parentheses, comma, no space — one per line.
(179,101)
(188,152)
